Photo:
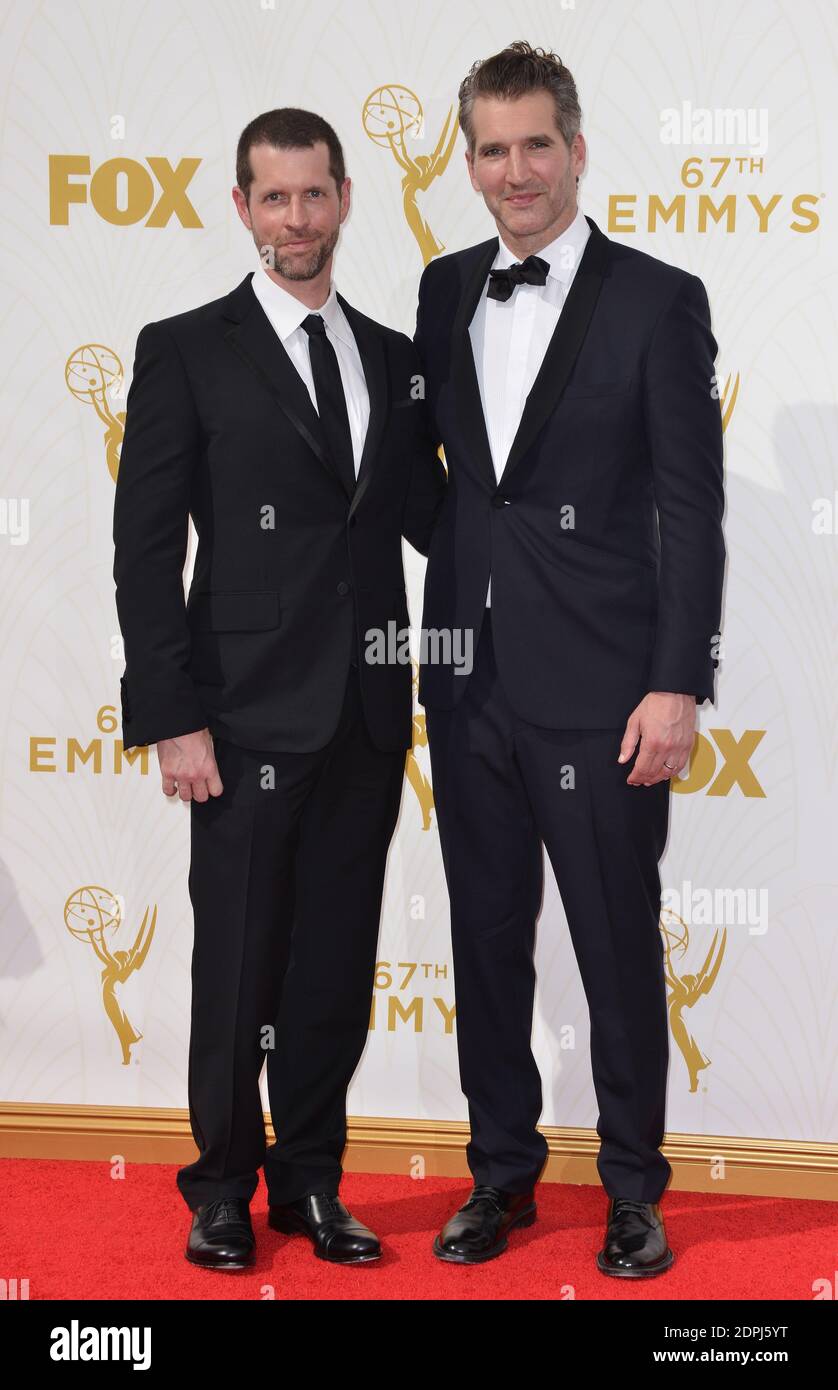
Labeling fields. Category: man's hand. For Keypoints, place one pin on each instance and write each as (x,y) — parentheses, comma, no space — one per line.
(665,724)
(188,766)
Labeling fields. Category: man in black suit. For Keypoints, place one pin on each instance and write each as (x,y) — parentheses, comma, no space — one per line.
(288,425)
(570,380)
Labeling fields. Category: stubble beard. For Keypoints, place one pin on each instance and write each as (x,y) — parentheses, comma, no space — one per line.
(306,267)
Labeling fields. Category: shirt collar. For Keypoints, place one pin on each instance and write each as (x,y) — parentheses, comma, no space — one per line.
(562,255)
(286,312)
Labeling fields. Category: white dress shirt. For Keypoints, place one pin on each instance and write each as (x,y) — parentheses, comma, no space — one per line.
(286,315)
(509,339)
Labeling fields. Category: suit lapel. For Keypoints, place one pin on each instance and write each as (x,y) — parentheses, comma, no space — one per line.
(563,348)
(463,370)
(370,341)
(562,351)
(254,338)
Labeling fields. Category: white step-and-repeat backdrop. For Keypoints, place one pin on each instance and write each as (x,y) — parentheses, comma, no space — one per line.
(712,134)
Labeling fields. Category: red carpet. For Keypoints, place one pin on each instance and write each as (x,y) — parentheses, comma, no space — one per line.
(76,1233)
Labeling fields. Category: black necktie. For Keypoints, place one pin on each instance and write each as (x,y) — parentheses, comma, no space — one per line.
(532,271)
(331,402)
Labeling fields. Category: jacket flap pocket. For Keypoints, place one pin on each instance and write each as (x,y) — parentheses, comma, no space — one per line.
(234,611)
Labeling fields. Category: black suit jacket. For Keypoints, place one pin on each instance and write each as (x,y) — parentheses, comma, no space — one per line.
(620,426)
(290,570)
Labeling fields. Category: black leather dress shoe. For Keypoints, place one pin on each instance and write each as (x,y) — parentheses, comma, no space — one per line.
(635,1241)
(333,1231)
(222,1235)
(478,1231)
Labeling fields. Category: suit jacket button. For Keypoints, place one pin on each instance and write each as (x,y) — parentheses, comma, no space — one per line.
(498,501)
(343,587)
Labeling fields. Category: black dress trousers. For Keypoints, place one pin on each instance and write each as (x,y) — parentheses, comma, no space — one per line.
(501,788)
(286,879)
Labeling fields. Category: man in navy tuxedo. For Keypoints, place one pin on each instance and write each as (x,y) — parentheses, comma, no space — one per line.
(570,380)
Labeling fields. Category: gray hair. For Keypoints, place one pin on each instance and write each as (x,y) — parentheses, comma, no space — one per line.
(516,70)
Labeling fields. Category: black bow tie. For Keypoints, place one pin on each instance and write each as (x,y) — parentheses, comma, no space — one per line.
(532,271)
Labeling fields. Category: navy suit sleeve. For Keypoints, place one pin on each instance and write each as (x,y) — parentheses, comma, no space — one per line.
(160,449)
(422,343)
(684,426)
(429,478)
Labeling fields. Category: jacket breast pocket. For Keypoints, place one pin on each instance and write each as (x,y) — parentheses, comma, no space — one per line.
(228,610)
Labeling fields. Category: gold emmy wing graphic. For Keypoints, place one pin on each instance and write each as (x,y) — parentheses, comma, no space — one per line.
(89,913)
(685,990)
(415,776)
(390,114)
(730,391)
(91,371)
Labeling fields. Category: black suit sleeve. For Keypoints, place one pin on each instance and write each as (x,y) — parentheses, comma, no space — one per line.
(422,344)
(685,439)
(160,449)
(428,476)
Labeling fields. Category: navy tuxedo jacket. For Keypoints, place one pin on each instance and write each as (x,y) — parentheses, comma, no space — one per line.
(621,436)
